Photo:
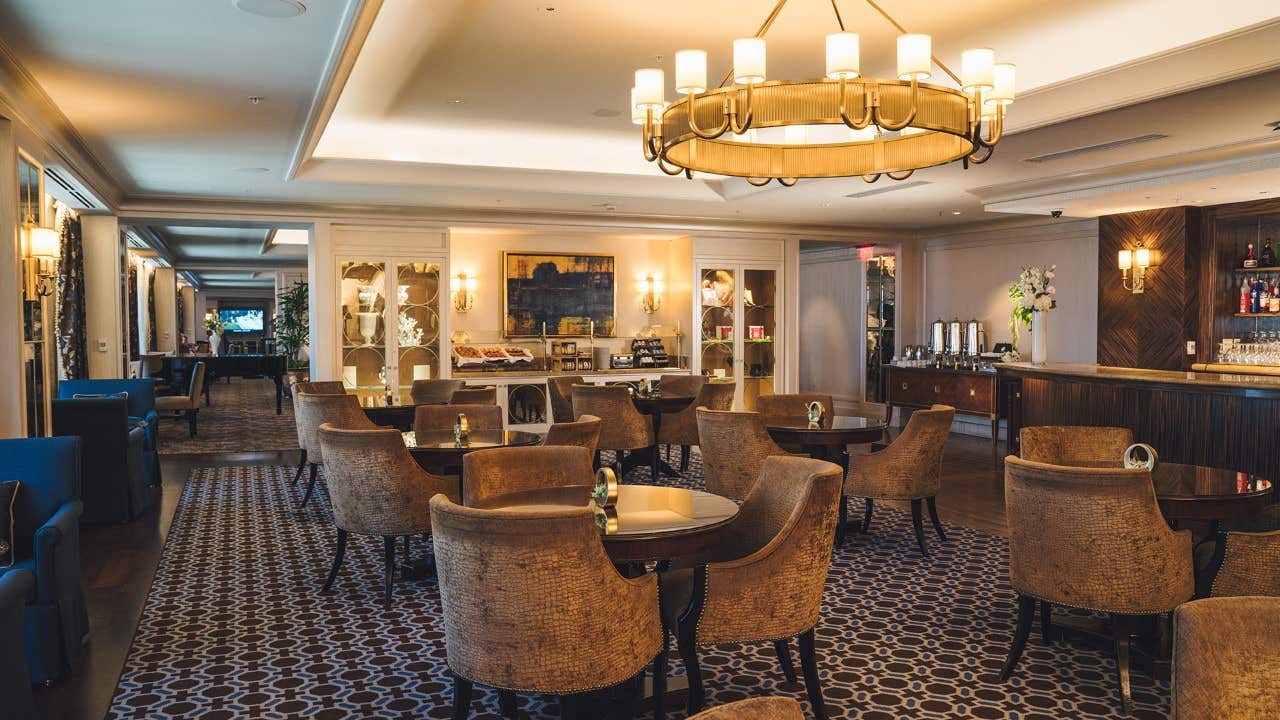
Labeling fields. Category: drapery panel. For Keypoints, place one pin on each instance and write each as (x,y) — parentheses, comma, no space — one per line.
(72,340)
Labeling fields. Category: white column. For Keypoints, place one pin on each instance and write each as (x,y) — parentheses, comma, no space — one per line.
(166,290)
(192,322)
(322,303)
(11,375)
(102,302)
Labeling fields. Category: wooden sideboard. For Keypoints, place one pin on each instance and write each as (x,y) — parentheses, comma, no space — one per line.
(970,393)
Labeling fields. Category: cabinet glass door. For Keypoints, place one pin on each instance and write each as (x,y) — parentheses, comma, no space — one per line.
(718,325)
(364,342)
(759,320)
(417,322)
(881,303)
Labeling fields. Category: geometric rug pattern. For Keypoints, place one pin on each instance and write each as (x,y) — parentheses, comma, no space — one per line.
(235,626)
(242,418)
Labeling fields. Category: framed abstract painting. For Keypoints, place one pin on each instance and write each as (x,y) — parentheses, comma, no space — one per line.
(565,293)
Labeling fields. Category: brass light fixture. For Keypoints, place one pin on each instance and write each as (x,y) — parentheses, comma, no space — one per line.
(650,295)
(39,260)
(1139,261)
(463,289)
(881,127)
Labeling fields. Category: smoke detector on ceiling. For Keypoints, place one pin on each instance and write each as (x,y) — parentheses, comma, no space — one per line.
(271,8)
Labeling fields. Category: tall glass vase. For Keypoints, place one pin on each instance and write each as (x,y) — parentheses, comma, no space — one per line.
(1039,338)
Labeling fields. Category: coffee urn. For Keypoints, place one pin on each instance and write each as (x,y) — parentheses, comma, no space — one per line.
(937,337)
(974,339)
(955,337)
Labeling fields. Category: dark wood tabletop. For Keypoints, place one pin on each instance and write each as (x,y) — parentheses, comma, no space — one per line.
(652,522)
(441,447)
(657,403)
(1196,492)
(834,430)
(399,414)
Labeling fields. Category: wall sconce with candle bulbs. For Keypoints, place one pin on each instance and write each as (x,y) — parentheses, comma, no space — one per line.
(463,289)
(42,247)
(1138,260)
(651,294)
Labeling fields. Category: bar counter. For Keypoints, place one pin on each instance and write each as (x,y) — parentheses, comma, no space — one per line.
(1227,420)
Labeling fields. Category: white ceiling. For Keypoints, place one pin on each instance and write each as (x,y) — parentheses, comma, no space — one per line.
(160,90)
(224,257)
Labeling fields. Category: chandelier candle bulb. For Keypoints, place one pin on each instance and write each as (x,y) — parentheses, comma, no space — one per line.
(915,56)
(650,89)
(1002,86)
(748,61)
(977,68)
(843,60)
(638,114)
(691,71)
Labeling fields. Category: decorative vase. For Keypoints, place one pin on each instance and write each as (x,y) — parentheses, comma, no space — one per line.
(366,295)
(1039,338)
(215,341)
(368,323)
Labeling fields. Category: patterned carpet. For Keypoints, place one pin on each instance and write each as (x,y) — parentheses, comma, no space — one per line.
(235,627)
(242,418)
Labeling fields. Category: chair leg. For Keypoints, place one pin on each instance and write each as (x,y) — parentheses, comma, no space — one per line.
(809,663)
(596,465)
(1026,617)
(689,654)
(191,422)
(302,464)
(1122,627)
(568,707)
(684,458)
(655,463)
(1046,622)
(918,523)
(389,566)
(660,684)
(406,548)
(461,698)
(866,517)
(509,704)
(783,650)
(933,515)
(337,559)
(311,486)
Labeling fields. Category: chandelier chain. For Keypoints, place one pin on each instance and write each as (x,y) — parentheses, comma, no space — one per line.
(903,30)
(764,28)
(839,20)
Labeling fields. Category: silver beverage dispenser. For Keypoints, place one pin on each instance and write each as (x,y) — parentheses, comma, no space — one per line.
(955,337)
(973,339)
(937,337)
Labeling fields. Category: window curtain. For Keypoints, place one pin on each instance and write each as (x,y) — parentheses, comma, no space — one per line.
(132,301)
(72,343)
(152,342)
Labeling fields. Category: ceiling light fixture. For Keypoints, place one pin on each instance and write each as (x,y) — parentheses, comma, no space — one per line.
(271,8)
(915,124)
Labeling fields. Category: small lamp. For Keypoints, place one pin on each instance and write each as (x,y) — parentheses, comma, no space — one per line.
(651,295)
(463,289)
(43,247)
(1137,261)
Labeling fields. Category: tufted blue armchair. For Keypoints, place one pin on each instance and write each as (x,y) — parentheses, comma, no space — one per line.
(15,678)
(47,542)
(142,404)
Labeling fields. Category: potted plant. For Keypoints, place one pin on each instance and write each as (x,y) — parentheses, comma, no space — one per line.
(213,325)
(292,329)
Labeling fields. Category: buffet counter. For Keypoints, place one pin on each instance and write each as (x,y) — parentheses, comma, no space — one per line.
(1217,419)
(970,392)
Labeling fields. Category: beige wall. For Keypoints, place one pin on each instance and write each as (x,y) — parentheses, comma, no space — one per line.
(832,302)
(102,288)
(166,310)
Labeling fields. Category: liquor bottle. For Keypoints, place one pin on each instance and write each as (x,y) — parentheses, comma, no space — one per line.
(1249,260)
(1255,297)
(1244,295)
(1268,258)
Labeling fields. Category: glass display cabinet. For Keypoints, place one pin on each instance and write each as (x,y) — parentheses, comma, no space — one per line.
(737,308)
(881,300)
(390,324)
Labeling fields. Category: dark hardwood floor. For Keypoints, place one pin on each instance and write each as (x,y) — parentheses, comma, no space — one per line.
(119,561)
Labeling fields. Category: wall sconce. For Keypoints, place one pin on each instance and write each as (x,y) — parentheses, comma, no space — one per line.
(1138,260)
(39,262)
(650,295)
(463,289)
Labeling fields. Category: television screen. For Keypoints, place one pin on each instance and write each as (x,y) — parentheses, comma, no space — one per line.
(241,319)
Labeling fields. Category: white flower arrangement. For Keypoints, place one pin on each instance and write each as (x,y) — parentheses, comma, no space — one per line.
(1032,292)
(408,333)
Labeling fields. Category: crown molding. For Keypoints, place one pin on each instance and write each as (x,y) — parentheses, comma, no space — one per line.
(26,101)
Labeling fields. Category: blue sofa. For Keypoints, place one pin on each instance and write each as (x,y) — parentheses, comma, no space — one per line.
(47,543)
(142,404)
(115,488)
(15,678)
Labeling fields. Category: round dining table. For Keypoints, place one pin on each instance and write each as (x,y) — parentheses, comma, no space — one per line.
(1195,492)
(829,441)
(655,404)
(398,414)
(648,522)
(439,448)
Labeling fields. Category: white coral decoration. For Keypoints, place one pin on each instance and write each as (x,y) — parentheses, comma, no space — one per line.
(408,333)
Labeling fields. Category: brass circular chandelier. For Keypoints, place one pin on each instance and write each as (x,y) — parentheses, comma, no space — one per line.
(843,125)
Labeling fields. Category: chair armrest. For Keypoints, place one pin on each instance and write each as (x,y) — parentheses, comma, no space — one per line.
(137,436)
(15,588)
(153,429)
(59,532)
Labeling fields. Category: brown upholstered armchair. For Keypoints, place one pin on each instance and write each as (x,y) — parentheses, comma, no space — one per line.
(765,708)
(443,417)
(377,489)
(521,591)
(583,432)
(734,446)
(1225,652)
(765,578)
(623,428)
(474,396)
(681,428)
(434,392)
(1091,538)
(185,406)
(312,411)
(321,387)
(791,404)
(560,391)
(1249,565)
(910,468)
(500,471)
(1075,445)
